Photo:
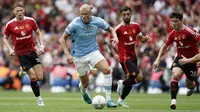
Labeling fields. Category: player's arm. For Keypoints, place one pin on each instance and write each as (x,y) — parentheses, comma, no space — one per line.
(194,59)
(40,40)
(114,35)
(39,36)
(115,39)
(160,54)
(6,42)
(143,38)
(63,43)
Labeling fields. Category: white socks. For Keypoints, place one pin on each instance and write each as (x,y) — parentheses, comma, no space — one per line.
(38,98)
(82,88)
(108,86)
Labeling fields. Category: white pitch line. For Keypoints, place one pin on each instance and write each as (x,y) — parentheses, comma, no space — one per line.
(44,98)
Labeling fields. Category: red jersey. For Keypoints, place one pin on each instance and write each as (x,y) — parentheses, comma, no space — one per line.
(21,33)
(127,38)
(186,41)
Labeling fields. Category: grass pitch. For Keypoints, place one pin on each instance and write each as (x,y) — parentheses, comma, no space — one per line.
(12,101)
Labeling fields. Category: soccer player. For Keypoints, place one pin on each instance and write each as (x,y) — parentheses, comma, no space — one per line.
(83,31)
(127,33)
(186,40)
(20,30)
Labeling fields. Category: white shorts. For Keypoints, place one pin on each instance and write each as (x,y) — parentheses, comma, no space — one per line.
(83,64)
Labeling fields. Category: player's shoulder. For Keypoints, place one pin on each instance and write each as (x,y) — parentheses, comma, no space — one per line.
(134,23)
(11,22)
(189,30)
(76,20)
(119,26)
(172,32)
(26,18)
(96,19)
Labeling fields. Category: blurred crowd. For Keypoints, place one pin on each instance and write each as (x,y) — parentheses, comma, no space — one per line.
(52,17)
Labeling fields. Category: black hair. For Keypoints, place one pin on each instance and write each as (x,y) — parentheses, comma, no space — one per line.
(177,15)
(125,8)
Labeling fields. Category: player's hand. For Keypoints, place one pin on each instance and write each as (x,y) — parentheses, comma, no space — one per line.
(184,60)
(41,50)
(69,59)
(115,40)
(156,64)
(12,52)
(147,38)
(116,56)
(198,64)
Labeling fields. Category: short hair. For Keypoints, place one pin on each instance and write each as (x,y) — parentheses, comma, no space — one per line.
(125,8)
(177,15)
(18,4)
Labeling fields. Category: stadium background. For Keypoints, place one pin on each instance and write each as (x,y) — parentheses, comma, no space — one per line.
(52,17)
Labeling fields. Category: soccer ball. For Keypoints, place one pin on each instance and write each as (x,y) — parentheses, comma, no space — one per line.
(98,102)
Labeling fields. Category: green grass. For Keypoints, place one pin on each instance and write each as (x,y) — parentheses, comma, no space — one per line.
(11,101)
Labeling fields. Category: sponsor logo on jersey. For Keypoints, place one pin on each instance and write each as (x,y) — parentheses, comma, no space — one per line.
(129,43)
(21,38)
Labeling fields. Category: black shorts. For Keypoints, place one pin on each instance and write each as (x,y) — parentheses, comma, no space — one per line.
(130,68)
(28,61)
(189,69)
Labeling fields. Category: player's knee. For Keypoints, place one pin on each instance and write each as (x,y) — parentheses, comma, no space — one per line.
(85,85)
(139,78)
(176,76)
(106,71)
(33,78)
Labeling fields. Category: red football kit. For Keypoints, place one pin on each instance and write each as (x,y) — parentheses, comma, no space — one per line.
(127,35)
(186,41)
(21,34)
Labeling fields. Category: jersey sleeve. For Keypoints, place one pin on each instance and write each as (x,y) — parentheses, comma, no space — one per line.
(102,24)
(34,24)
(138,30)
(170,39)
(70,29)
(7,30)
(196,35)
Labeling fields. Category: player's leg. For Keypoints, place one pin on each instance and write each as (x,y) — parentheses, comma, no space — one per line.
(83,85)
(34,85)
(103,66)
(134,75)
(190,71)
(190,85)
(82,68)
(27,62)
(97,60)
(176,75)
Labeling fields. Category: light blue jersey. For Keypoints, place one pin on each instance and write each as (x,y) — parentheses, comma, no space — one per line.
(83,36)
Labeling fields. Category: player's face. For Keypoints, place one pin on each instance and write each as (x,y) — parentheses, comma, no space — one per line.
(19,12)
(86,16)
(176,23)
(126,16)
